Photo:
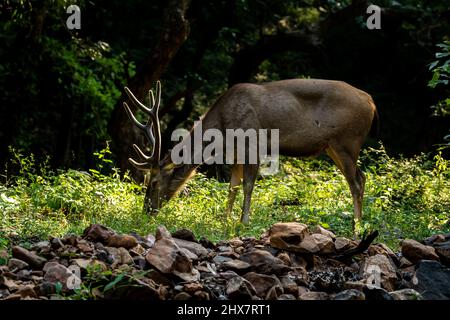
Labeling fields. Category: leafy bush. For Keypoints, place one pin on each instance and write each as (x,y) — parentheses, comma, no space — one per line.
(405,198)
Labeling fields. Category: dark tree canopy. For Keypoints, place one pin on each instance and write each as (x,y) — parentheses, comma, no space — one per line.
(62,91)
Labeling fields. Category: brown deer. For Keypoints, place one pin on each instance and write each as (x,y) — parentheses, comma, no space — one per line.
(311,115)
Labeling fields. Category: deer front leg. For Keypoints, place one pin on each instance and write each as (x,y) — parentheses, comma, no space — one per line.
(235,181)
(250,173)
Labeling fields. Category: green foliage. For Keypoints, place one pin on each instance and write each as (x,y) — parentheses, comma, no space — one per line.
(441,77)
(404,198)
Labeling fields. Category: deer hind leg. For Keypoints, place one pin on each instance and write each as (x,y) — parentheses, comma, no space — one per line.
(346,162)
(250,173)
(235,181)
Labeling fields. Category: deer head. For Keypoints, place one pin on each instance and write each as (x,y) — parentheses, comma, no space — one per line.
(159,173)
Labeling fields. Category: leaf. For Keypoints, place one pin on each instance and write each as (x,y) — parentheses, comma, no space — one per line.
(433,65)
(114,282)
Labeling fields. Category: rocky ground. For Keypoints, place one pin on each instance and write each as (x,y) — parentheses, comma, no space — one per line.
(288,262)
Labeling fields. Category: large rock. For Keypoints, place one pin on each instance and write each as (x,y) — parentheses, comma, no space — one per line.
(29,257)
(238,288)
(167,257)
(351,294)
(443,251)
(314,295)
(97,232)
(415,251)
(263,261)
(193,247)
(122,240)
(325,232)
(406,294)
(316,243)
(379,269)
(432,280)
(17,264)
(59,273)
(283,235)
(119,256)
(263,283)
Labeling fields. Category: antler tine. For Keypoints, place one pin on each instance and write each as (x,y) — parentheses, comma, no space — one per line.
(132,117)
(141,154)
(151,128)
(139,165)
(136,102)
(151,98)
(157,149)
(158,97)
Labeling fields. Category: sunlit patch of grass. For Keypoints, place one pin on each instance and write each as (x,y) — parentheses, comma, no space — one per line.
(404,198)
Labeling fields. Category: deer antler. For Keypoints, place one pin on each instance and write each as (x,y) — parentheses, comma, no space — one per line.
(151,129)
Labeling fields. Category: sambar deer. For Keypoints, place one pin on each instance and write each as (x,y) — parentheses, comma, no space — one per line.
(311,115)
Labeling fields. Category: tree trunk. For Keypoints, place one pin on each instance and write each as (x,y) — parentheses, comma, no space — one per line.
(175,30)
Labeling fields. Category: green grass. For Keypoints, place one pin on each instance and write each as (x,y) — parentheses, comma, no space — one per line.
(405,198)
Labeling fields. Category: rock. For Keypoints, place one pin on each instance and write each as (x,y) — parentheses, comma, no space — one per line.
(262,283)
(8,284)
(182,296)
(162,232)
(371,292)
(325,232)
(29,257)
(316,243)
(289,285)
(141,262)
(443,251)
(70,239)
(146,242)
(16,264)
(351,294)
(27,291)
(194,247)
(56,243)
(379,269)
(137,251)
(98,233)
(89,263)
(375,293)
(236,265)
(49,264)
(239,288)
(122,240)
(406,294)
(192,256)
(192,287)
(85,246)
(432,280)
(284,256)
(119,256)
(59,273)
(274,293)
(284,235)
(286,296)
(184,234)
(219,259)
(41,245)
(260,257)
(436,238)
(166,256)
(415,251)
(206,243)
(135,289)
(342,244)
(3,293)
(236,242)
(314,295)
(23,275)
